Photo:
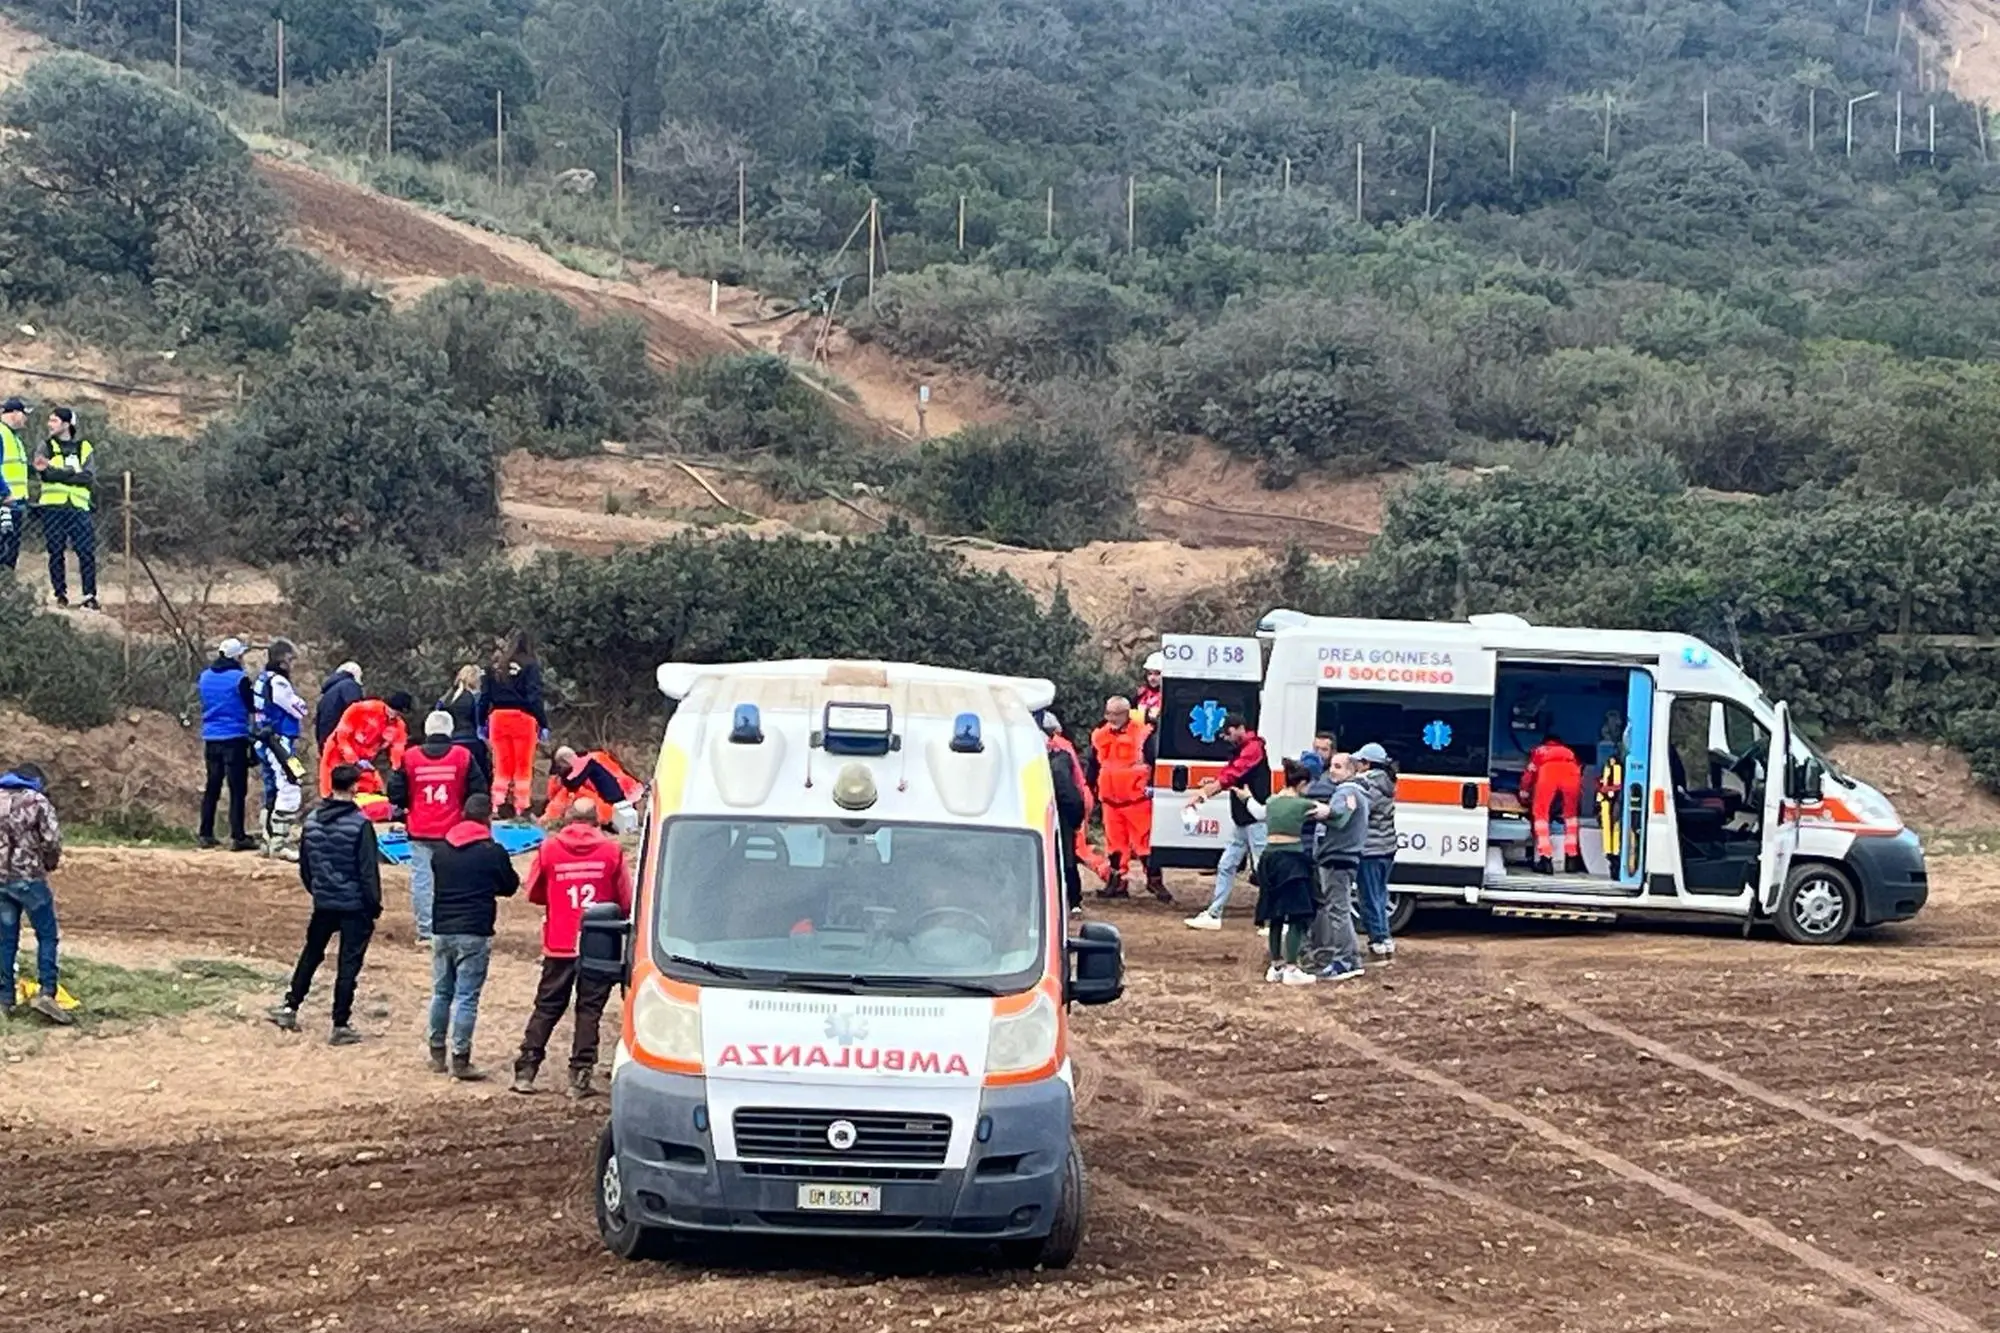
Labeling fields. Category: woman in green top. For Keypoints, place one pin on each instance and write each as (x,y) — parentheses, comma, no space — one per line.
(1285,902)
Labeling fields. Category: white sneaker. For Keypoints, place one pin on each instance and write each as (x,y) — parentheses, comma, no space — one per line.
(1275,972)
(1203,921)
(1382,948)
(1297,976)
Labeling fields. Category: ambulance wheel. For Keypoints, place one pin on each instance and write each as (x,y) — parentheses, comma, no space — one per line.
(1402,911)
(622,1236)
(1819,904)
(1058,1248)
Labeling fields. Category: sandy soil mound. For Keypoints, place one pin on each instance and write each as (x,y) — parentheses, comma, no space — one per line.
(1932,785)
(145,760)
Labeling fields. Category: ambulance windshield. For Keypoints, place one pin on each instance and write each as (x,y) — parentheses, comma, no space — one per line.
(851,905)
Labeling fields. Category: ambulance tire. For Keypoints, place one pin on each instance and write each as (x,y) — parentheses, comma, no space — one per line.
(1819,905)
(1058,1248)
(1402,911)
(622,1236)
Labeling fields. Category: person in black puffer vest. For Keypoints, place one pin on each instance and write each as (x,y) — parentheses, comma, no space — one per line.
(341,868)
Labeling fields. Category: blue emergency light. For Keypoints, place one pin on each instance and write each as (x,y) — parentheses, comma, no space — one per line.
(857,729)
(748,726)
(965,734)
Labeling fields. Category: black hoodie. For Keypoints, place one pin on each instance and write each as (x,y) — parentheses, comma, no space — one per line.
(339,692)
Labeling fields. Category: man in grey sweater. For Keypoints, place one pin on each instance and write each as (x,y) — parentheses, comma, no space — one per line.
(1378,854)
(1342,823)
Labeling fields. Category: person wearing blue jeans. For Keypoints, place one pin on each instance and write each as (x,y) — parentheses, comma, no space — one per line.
(1378,856)
(1247,776)
(473,872)
(30,848)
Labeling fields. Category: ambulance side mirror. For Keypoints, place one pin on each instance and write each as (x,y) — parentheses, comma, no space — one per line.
(604,948)
(1808,783)
(1096,965)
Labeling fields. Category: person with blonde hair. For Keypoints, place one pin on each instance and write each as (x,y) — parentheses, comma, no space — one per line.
(463,701)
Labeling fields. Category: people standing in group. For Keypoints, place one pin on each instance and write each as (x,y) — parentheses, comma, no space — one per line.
(432,784)
(578,866)
(277,721)
(1285,898)
(465,702)
(228,703)
(1378,854)
(473,873)
(1122,753)
(1072,805)
(30,851)
(340,866)
(67,469)
(1244,777)
(1341,818)
(372,737)
(15,467)
(337,693)
(515,722)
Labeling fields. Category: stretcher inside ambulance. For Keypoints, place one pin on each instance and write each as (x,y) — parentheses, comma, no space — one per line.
(848,977)
(1570,772)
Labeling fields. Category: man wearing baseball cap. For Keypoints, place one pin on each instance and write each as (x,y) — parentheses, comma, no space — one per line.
(228,701)
(68,473)
(13,479)
(1378,853)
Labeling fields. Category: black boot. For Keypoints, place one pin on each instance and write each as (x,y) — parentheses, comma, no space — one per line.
(1573,865)
(438,1065)
(462,1070)
(1543,866)
(580,1084)
(524,1078)
(1156,885)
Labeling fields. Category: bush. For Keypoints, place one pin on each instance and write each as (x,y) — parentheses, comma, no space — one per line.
(1013,326)
(354,441)
(755,404)
(1055,485)
(67,678)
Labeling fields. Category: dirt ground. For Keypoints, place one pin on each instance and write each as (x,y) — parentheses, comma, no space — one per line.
(1544,1128)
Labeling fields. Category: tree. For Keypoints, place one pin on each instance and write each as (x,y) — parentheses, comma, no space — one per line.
(603,57)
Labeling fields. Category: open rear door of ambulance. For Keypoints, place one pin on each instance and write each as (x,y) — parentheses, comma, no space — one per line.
(1206,679)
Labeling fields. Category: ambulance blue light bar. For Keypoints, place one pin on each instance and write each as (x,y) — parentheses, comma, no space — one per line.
(965,734)
(858,729)
(747,728)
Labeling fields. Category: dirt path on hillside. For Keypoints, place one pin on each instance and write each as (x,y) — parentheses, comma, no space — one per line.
(1971,29)
(1528,1127)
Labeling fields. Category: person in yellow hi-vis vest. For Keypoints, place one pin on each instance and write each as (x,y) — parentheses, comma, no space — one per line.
(69,478)
(13,479)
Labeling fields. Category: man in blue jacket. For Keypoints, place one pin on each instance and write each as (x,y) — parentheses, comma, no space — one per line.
(341,867)
(228,702)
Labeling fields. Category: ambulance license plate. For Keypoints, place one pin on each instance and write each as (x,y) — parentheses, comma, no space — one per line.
(840,1199)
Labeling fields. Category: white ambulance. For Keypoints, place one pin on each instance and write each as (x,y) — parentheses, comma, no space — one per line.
(1682,809)
(847,967)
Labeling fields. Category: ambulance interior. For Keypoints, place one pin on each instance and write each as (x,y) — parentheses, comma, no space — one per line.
(1715,758)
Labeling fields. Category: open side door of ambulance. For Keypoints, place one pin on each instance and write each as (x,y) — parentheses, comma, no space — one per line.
(1206,678)
(1781,816)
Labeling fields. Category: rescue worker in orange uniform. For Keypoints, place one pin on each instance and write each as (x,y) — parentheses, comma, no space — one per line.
(1147,705)
(1123,753)
(367,728)
(1552,788)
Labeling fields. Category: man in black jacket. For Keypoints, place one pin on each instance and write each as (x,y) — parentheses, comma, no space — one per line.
(1065,773)
(473,873)
(337,694)
(341,868)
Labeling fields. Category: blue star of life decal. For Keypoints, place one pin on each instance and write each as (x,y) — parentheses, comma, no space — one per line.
(1437,734)
(1205,720)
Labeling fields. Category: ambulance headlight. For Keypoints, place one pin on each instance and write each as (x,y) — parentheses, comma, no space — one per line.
(1019,1043)
(1873,807)
(665,1027)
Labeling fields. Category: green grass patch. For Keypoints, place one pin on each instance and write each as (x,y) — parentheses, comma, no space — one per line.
(136,827)
(113,995)
(1962,842)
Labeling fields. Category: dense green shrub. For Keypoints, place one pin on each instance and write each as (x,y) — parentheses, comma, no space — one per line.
(1054,484)
(1013,326)
(754,404)
(68,678)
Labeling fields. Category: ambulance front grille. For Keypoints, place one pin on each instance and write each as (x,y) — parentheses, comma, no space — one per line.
(783,1133)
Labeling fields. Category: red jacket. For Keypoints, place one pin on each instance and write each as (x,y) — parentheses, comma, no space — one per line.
(438,788)
(1242,768)
(577,866)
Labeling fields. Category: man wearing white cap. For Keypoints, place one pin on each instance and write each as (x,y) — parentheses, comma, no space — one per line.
(227,704)
(430,786)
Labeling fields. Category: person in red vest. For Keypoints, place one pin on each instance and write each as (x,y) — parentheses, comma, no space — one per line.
(431,784)
(1552,788)
(579,865)
(367,728)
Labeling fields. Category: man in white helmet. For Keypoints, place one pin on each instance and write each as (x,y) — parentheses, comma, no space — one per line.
(1147,704)
(277,719)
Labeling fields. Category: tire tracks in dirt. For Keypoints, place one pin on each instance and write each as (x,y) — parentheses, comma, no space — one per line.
(1920,1311)
(1937,1158)
(1154,1089)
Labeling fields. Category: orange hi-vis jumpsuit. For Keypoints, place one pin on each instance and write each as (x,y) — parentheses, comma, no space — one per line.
(1552,784)
(1086,855)
(1123,780)
(365,728)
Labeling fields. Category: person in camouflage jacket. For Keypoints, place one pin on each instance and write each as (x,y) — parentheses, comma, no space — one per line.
(30,849)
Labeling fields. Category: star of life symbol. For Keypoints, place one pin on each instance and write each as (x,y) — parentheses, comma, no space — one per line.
(1205,720)
(846,1028)
(1437,735)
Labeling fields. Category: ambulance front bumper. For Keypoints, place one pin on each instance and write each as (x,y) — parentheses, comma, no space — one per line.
(1891,875)
(1007,1190)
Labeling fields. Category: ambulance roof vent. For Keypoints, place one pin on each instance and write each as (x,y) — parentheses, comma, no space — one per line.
(1282,618)
(748,726)
(1498,620)
(965,734)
